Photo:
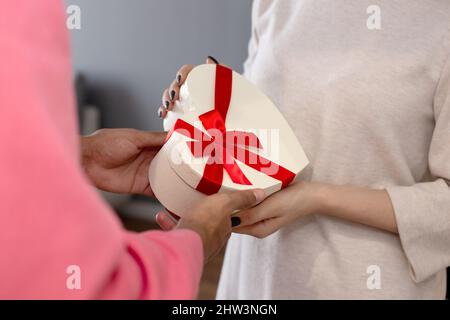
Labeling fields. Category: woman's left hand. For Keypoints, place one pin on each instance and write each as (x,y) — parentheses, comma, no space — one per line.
(283,207)
(117,160)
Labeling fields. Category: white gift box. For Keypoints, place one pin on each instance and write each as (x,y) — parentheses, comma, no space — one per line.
(225,135)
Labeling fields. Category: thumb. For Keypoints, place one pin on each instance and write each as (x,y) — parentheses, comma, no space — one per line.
(149,139)
(238,200)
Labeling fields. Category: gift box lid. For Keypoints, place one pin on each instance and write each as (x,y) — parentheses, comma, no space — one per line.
(257,147)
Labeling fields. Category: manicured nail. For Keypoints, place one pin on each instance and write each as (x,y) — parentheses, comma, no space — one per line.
(179,78)
(235,221)
(213,59)
(260,195)
(160,113)
(172,94)
(166,104)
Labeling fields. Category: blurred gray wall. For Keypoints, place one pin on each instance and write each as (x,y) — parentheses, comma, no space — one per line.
(131,50)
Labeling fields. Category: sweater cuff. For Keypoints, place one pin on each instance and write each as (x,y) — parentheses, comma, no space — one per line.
(422,235)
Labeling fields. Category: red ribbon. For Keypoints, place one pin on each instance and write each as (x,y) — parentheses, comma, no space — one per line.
(225,147)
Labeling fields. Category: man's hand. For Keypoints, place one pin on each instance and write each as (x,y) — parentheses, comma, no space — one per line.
(117,160)
(213,218)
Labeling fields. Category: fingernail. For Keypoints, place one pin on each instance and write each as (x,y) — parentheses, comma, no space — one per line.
(235,221)
(160,113)
(179,78)
(166,104)
(172,94)
(213,59)
(259,195)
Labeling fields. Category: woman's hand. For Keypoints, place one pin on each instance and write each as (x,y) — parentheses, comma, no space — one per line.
(371,207)
(298,200)
(117,160)
(212,219)
(172,94)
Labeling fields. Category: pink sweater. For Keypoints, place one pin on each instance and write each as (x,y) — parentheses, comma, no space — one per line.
(51,218)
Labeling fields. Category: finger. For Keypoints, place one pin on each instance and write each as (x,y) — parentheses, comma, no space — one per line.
(272,207)
(164,221)
(174,90)
(264,211)
(150,139)
(261,229)
(238,200)
(162,112)
(183,73)
(167,104)
(211,60)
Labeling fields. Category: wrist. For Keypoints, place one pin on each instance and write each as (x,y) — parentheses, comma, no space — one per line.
(322,196)
(184,224)
(187,225)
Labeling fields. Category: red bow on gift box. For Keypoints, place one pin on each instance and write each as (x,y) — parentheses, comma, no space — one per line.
(224,147)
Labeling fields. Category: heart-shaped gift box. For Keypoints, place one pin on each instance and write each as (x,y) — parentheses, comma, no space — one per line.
(224,135)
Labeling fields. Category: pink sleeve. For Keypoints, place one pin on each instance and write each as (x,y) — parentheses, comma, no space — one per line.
(55,230)
(170,266)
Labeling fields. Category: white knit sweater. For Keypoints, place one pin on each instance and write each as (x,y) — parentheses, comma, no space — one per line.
(371,108)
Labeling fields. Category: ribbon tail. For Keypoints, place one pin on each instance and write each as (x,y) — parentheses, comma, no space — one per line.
(265,166)
(232,168)
(211,181)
